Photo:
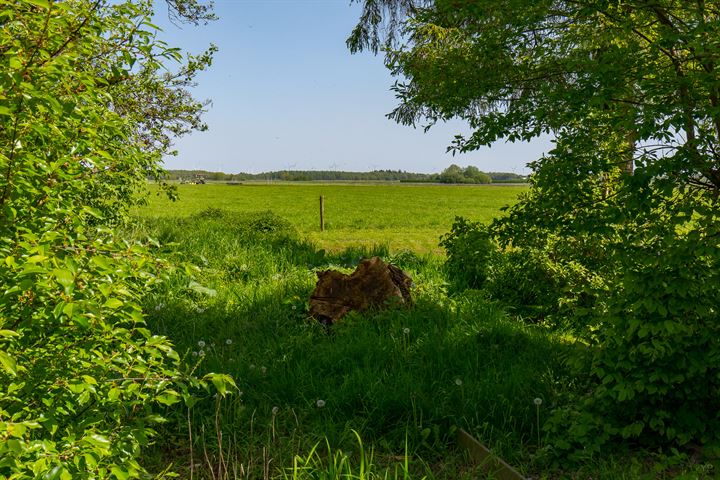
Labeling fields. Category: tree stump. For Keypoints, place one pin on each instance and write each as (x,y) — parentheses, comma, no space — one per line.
(373,284)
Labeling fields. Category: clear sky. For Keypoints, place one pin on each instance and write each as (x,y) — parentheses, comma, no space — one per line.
(287,95)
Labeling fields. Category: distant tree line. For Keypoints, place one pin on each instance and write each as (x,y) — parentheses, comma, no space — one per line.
(452,174)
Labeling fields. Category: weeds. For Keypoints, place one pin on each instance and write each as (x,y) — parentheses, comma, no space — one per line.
(380,397)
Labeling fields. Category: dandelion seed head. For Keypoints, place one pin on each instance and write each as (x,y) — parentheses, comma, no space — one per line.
(228,341)
(263,370)
(275,410)
(320,403)
(195,354)
(201,353)
(406,331)
(458,382)
(201,344)
(538,401)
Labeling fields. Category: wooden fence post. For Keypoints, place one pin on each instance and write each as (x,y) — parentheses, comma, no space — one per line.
(322,214)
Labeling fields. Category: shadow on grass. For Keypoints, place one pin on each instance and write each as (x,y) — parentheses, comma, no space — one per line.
(394,376)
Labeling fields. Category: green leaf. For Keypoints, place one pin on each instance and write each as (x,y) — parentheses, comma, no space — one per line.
(221,382)
(168,397)
(64,277)
(113,303)
(40,3)
(8,363)
(120,473)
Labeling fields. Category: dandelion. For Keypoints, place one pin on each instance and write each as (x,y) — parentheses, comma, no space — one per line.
(263,370)
(458,382)
(406,331)
(252,366)
(538,402)
(228,341)
(201,353)
(195,354)
(294,307)
(320,403)
(159,307)
(275,410)
(201,344)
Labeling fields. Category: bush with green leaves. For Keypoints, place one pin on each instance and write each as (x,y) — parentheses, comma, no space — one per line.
(81,377)
(536,282)
(471,252)
(629,91)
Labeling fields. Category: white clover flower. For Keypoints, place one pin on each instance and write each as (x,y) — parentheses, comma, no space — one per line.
(275,410)
(458,382)
(228,341)
(263,370)
(406,331)
(538,401)
(320,403)
(201,344)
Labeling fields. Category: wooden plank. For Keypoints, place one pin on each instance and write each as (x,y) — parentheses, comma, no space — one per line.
(488,461)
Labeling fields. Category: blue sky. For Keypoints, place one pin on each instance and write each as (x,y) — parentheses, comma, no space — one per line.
(287,95)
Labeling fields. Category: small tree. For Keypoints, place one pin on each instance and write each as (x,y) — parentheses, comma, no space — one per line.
(85,114)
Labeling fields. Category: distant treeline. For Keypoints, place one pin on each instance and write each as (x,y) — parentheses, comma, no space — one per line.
(452,174)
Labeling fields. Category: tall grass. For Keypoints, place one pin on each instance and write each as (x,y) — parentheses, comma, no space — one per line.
(380,395)
(403,379)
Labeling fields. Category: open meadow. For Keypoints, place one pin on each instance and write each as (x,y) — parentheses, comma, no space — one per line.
(562,329)
(380,394)
(401,216)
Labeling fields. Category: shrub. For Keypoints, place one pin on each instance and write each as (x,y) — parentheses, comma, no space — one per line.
(81,378)
(470,253)
(538,283)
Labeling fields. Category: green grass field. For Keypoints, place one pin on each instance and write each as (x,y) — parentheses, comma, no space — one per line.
(403,217)
(382,394)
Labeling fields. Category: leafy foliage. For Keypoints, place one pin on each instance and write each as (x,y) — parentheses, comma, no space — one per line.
(471,253)
(538,284)
(81,377)
(630,91)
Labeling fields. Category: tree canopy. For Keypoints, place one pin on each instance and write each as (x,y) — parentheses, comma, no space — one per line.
(630,91)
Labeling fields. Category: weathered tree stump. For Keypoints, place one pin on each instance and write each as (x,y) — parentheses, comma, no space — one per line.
(373,284)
